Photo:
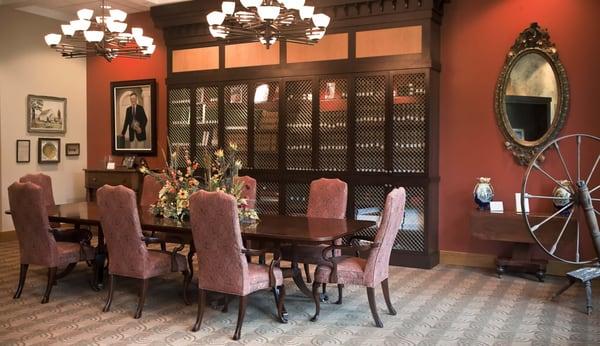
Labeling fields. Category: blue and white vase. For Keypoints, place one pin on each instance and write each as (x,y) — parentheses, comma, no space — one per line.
(483,193)
(563,195)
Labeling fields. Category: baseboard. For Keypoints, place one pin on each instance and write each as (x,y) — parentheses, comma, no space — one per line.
(478,260)
(8,236)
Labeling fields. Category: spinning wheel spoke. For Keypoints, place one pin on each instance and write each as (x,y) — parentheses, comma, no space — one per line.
(536,227)
(546,174)
(553,249)
(594,189)
(540,196)
(593,169)
(578,158)
(562,160)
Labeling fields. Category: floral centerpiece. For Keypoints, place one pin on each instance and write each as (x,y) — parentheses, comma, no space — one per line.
(219,174)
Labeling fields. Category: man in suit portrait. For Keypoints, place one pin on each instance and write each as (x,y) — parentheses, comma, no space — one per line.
(135,122)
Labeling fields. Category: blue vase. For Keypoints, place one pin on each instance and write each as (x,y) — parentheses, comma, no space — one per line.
(483,193)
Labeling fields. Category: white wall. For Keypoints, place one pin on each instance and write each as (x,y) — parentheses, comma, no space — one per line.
(28,66)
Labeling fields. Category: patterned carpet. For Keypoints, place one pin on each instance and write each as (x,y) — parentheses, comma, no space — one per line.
(446,305)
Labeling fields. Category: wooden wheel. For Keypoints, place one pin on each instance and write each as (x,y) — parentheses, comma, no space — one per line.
(571,165)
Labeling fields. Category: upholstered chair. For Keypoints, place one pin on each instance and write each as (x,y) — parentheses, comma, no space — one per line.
(222,257)
(327,199)
(37,246)
(150,189)
(248,189)
(127,250)
(365,272)
(61,234)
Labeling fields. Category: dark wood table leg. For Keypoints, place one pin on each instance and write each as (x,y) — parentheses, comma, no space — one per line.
(521,261)
(299,280)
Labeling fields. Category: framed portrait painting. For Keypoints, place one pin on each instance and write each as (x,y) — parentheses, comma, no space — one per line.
(46,114)
(133,117)
(48,150)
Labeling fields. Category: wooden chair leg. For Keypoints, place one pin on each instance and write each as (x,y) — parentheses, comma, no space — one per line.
(373,306)
(190,259)
(281,313)
(307,271)
(226,300)
(22,276)
(143,290)
(386,295)
(111,290)
(317,299)
(163,247)
(201,303)
(241,314)
(187,278)
(51,279)
(340,293)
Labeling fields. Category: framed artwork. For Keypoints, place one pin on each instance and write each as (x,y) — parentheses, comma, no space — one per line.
(48,150)
(46,114)
(72,149)
(128,161)
(23,150)
(133,117)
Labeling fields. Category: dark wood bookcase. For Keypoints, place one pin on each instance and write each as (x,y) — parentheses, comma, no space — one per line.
(372,122)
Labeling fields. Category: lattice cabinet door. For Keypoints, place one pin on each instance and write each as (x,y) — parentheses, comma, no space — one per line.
(333,108)
(236,119)
(207,121)
(369,201)
(370,123)
(409,123)
(298,150)
(266,125)
(179,124)
(296,199)
(267,198)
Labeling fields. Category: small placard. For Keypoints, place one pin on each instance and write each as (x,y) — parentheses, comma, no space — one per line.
(110,165)
(496,207)
(518,203)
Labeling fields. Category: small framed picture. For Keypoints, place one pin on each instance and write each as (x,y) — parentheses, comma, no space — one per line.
(46,114)
(48,150)
(330,91)
(128,161)
(23,150)
(72,149)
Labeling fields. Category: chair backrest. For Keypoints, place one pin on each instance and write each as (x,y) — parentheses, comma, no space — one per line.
(218,242)
(327,198)
(30,217)
(122,231)
(43,181)
(150,191)
(248,190)
(379,259)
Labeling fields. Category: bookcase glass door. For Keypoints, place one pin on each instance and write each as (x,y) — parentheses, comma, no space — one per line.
(207,121)
(179,124)
(370,124)
(266,125)
(333,108)
(236,119)
(298,98)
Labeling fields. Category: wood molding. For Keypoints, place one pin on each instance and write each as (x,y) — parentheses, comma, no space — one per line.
(477,260)
(8,236)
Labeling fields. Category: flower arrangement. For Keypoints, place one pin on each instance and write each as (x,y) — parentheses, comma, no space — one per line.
(220,171)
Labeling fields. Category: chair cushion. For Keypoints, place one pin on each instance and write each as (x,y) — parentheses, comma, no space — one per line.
(72,253)
(258,277)
(159,263)
(350,270)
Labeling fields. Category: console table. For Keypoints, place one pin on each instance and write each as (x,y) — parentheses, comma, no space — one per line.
(510,227)
(96,178)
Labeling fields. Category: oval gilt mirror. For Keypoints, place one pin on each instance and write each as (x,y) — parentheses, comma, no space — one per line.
(532,94)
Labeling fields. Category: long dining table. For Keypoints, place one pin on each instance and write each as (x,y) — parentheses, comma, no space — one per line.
(272,229)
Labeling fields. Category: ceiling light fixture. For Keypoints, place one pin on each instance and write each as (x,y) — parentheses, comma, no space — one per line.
(267,21)
(105,36)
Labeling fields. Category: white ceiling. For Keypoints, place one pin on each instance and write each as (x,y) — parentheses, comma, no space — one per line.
(66,9)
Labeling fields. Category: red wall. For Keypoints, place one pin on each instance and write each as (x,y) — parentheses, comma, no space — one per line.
(476,36)
(101,73)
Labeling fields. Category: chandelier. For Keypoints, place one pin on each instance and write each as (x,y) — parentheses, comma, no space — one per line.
(105,36)
(267,21)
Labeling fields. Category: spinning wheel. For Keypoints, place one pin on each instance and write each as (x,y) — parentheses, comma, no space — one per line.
(576,197)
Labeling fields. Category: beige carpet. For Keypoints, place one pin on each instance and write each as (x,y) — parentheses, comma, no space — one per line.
(446,305)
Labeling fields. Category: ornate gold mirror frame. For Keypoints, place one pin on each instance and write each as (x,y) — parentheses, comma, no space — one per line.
(533,40)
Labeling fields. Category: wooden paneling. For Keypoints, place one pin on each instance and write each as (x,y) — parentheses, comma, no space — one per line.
(251,54)
(384,42)
(196,59)
(331,47)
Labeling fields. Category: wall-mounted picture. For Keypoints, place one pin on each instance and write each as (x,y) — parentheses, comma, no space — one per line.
(133,117)
(23,150)
(48,150)
(46,114)
(128,161)
(72,149)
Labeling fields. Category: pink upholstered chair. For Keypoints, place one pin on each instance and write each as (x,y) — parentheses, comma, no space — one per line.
(37,246)
(126,249)
(222,257)
(248,189)
(71,235)
(366,272)
(327,199)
